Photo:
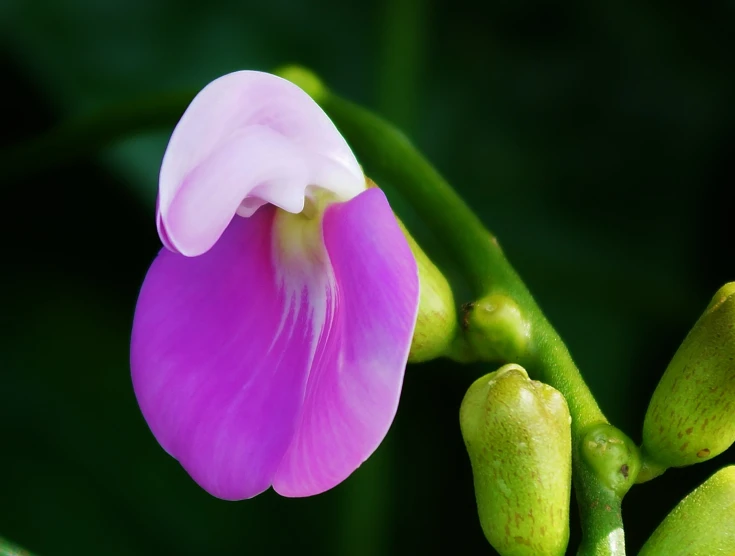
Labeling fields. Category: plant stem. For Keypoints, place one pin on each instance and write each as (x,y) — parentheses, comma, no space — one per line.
(650,469)
(600,513)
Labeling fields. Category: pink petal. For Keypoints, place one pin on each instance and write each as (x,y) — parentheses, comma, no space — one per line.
(219,362)
(255,366)
(353,389)
(247,135)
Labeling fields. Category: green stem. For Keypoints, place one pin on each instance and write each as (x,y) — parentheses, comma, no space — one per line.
(553,364)
(600,513)
(650,468)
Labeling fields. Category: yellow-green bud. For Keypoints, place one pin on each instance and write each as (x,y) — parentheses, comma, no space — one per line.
(702,524)
(496,329)
(518,436)
(691,417)
(436,324)
(304,79)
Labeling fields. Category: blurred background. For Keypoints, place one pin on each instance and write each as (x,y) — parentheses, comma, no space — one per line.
(597,140)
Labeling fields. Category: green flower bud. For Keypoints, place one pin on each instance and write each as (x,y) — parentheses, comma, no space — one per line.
(691,417)
(304,79)
(518,436)
(496,329)
(612,456)
(436,324)
(701,524)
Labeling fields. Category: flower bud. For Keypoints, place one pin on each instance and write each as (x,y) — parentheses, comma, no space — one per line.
(305,79)
(701,524)
(613,457)
(691,417)
(436,323)
(496,329)
(518,436)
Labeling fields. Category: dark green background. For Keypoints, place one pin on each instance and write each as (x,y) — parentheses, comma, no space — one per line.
(596,139)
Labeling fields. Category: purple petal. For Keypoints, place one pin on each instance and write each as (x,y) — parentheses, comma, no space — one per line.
(219,361)
(355,382)
(258,364)
(247,138)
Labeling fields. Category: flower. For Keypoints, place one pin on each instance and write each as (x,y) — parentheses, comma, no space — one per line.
(271,333)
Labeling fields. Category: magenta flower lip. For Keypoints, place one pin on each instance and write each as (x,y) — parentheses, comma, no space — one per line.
(271,333)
